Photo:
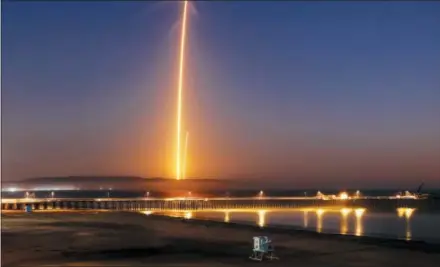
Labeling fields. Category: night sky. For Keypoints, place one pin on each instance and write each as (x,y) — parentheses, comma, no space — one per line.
(307,94)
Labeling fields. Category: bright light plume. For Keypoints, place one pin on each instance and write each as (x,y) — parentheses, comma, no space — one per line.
(180,91)
(185,156)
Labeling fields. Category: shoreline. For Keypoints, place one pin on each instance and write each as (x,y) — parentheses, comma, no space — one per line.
(419,245)
(274,228)
(95,238)
(279,229)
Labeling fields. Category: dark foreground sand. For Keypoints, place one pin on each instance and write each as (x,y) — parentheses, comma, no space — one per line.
(132,239)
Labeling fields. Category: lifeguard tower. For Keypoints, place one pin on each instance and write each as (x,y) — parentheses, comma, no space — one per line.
(263,249)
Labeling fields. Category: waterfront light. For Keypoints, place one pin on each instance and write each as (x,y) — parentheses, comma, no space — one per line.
(343,196)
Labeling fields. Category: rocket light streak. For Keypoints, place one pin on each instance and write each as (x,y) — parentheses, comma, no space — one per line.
(185,156)
(180,89)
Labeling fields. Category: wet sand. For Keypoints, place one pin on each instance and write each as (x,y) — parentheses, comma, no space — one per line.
(133,239)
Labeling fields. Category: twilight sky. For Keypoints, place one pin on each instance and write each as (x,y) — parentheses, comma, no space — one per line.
(308,94)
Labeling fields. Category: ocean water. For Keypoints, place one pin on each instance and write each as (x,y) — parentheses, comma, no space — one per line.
(405,223)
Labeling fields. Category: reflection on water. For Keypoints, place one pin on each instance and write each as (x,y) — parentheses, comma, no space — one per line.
(227,218)
(261,218)
(359,229)
(319,213)
(407,212)
(306,219)
(342,220)
(188,215)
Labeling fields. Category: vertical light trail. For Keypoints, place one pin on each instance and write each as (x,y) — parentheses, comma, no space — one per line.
(179,93)
(185,156)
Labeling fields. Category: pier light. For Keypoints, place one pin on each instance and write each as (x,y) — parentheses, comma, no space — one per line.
(320,195)
(343,196)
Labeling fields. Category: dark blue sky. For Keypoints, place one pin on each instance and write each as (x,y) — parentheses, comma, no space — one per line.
(310,93)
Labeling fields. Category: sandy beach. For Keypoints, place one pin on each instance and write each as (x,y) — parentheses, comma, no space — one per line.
(134,239)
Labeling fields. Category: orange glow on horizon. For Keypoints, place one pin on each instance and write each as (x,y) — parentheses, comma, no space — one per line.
(180,89)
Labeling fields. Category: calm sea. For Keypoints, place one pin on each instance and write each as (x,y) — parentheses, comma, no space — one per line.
(405,223)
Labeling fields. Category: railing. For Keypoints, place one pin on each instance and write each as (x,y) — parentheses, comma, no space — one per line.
(156,204)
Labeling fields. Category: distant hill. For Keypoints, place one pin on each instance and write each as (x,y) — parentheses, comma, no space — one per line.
(119,183)
(114,179)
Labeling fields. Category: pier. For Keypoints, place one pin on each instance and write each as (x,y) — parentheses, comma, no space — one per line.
(215,204)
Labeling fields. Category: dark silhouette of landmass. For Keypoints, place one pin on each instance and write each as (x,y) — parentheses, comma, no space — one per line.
(131,183)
